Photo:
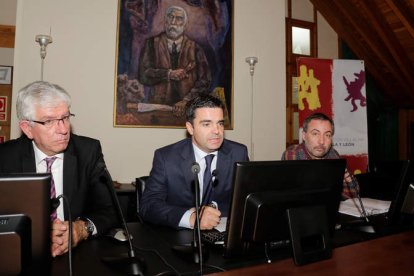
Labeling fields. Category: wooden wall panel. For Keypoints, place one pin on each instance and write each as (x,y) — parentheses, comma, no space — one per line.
(7,34)
(5,111)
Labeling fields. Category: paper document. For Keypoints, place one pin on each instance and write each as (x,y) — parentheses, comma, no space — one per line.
(146,107)
(222,224)
(372,206)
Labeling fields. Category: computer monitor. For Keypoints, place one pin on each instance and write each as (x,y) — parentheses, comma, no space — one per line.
(25,223)
(390,181)
(263,192)
(400,190)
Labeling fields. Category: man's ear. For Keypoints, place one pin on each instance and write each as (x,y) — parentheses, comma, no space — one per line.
(26,128)
(190,128)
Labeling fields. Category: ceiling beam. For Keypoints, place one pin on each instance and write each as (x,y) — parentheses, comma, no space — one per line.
(387,36)
(378,60)
(402,12)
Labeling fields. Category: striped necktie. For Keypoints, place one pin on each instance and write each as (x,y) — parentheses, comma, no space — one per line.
(49,162)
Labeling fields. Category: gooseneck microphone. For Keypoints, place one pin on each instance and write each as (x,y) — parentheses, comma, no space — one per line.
(355,184)
(195,168)
(129,264)
(214,173)
(198,258)
(209,191)
(54,202)
(194,251)
(197,238)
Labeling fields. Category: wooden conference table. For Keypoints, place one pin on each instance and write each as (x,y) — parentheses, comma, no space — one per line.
(390,255)
(355,254)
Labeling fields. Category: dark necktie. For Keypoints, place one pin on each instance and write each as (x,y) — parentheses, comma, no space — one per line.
(49,162)
(175,93)
(174,56)
(174,48)
(207,189)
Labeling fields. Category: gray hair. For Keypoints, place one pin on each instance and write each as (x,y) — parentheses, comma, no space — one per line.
(39,94)
(170,9)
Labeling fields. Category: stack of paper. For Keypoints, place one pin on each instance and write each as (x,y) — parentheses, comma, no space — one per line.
(372,206)
(222,224)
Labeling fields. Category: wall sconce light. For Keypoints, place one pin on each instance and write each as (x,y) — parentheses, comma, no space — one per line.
(252,62)
(43,41)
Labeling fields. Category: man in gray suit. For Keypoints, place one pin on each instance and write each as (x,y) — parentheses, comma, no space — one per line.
(75,162)
(169,197)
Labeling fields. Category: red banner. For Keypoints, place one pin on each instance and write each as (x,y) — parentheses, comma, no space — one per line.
(337,89)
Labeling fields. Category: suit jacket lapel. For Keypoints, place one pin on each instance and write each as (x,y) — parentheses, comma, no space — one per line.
(223,158)
(188,158)
(223,164)
(28,159)
(70,175)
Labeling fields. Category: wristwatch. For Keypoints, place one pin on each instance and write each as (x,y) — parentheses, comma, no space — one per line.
(89,227)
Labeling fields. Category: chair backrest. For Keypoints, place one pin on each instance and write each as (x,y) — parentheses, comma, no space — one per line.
(139,188)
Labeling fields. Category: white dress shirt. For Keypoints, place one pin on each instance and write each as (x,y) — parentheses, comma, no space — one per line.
(200,159)
(57,172)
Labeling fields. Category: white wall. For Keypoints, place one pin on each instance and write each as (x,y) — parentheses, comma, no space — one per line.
(302,10)
(7,17)
(7,12)
(327,39)
(82,60)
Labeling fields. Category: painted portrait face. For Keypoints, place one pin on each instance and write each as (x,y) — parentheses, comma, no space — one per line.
(175,22)
(207,129)
(53,138)
(318,138)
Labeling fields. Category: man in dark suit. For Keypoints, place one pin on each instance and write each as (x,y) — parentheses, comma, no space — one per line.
(76,163)
(169,197)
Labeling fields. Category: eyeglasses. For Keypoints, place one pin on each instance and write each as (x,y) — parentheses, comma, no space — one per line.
(54,122)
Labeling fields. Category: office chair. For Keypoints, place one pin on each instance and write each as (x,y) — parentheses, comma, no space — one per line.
(139,188)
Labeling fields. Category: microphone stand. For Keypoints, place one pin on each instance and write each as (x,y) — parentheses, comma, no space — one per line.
(197,234)
(355,183)
(196,248)
(55,204)
(129,264)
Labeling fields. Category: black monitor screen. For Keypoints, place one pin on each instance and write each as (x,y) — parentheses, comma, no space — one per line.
(28,196)
(390,181)
(399,175)
(264,190)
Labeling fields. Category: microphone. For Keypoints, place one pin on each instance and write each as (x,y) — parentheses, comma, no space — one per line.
(130,264)
(54,202)
(195,168)
(191,250)
(355,184)
(210,190)
(214,173)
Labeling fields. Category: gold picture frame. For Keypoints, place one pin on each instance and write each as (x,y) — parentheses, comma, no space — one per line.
(146,92)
